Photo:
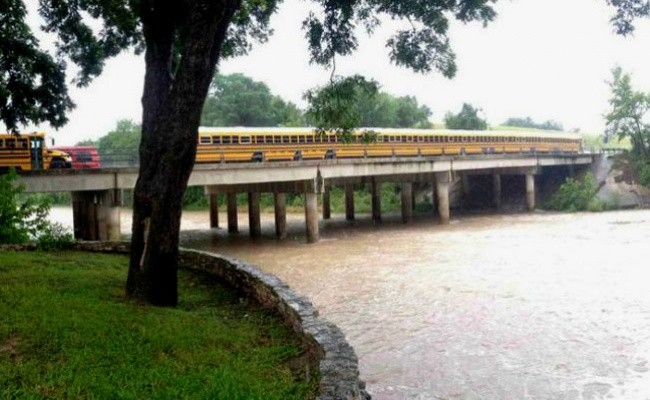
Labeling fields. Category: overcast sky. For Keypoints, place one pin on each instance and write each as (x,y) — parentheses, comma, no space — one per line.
(547,59)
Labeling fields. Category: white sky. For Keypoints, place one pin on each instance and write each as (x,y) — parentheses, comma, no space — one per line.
(547,59)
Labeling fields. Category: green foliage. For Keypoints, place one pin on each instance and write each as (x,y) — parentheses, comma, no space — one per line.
(332,108)
(32,83)
(629,113)
(54,237)
(237,100)
(644,175)
(466,119)
(575,195)
(528,122)
(21,218)
(66,331)
(121,144)
(626,12)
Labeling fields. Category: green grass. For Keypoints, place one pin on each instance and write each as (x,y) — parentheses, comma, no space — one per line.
(67,332)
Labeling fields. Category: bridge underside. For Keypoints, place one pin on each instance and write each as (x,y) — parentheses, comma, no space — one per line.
(96,204)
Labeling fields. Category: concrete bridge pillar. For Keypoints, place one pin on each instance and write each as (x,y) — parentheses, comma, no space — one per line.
(233,226)
(349,201)
(442,194)
(254,221)
(407,201)
(280,215)
(414,193)
(327,210)
(375,189)
(311,217)
(96,215)
(214,210)
(530,191)
(497,190)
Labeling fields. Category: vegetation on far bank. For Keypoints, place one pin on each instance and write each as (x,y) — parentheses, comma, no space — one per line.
(67,331)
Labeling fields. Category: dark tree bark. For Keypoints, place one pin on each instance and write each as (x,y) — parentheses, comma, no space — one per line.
(174,93)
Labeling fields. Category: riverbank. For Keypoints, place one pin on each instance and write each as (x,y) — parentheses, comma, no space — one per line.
(67,331)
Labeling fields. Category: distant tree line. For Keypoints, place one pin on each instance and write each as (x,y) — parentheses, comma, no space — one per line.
(528,122)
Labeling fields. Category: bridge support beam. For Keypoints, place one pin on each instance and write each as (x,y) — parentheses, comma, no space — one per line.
(414,193)
(530,191)
(233,226)
(280,215)
(214,210)
(349,201)
(327,210)
(496,181)
(254,220)
(311,217)
(465,191)
(96,215)
(375,190)
(442,194)
(407,201)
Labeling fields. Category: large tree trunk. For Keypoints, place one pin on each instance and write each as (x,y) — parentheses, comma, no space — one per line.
(172,101)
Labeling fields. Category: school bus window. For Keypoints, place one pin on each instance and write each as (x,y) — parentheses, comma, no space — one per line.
(205,139)
(268,139)
(259,139)
(285,139)
(225,140)
(245,140)
(331,138)
(235,140)
(301,139)
(216,140)
(11,143)
(310,139)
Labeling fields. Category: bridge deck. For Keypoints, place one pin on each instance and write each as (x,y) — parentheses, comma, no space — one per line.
(301,171)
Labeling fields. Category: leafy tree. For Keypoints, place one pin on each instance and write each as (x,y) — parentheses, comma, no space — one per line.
(21,218)
(182,42)
(387,111)
(626,12)
(528,122)
(466,119)
(629,113)
(120,144)
(237,100)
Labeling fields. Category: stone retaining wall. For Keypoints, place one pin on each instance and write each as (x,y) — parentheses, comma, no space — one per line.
(325,343)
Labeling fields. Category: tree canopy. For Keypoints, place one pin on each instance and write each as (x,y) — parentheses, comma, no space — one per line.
(628,117)
(238,100)
(466,119)
(528,122)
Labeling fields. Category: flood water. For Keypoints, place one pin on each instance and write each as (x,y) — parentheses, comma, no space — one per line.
(499,307)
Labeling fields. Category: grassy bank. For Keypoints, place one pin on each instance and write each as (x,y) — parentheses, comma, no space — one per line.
(66,331)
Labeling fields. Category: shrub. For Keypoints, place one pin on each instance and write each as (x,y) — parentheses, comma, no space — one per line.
(54,236)
(644,175)
(575,195)
(21,217)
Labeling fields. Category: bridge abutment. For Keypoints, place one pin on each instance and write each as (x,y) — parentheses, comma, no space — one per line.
(96,215)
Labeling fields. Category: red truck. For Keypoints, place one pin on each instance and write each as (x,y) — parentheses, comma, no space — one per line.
(82,156)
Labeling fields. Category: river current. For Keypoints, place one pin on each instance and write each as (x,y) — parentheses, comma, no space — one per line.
(498,307)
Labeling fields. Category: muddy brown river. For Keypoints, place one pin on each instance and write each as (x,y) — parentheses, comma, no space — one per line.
(498,307)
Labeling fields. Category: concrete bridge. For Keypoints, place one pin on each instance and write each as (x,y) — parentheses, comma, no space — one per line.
(96,194)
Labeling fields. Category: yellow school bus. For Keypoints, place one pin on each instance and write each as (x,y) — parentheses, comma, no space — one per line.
(278,144)
(28,152)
